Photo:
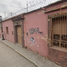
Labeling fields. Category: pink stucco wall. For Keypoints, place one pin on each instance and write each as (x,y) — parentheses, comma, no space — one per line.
(8,36)
(57,6)
(37,23)
(39,19)
(33,21)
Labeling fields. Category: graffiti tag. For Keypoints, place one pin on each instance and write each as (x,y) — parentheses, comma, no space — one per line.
(34,30)
(32,39)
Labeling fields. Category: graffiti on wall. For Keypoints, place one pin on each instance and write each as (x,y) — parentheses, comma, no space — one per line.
(32,39)
(35,30)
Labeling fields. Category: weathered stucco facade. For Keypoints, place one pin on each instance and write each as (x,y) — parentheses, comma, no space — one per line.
(36,32)
(8,33)
(34,29)
(18,23)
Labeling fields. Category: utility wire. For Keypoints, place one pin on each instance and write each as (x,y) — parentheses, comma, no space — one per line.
(31,6)
(9,5)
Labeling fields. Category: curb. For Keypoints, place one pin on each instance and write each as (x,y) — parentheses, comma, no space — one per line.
(22,55)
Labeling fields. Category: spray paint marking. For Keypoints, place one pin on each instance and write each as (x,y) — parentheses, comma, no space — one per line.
(32,39)
(34,30)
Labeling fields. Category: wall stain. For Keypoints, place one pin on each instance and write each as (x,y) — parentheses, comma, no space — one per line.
(32,44)
(41,12)
(44,38)
(37,45)
(38,13)
(47,35)
(38,37)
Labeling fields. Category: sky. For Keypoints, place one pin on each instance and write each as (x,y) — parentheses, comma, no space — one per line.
(8,6)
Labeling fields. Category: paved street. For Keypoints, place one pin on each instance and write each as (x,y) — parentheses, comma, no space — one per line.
(9,58)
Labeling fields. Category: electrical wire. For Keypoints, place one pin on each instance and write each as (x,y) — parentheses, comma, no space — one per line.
(9,5)
(34,6)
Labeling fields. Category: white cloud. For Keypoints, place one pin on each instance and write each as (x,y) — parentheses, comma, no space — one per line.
(7,6)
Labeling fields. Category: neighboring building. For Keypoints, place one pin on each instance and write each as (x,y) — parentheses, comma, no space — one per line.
(43,31)
(12,29)
(8,30)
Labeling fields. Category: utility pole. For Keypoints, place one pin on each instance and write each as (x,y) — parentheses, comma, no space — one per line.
(27,5)
(11,14)
(2,28)
(5,15)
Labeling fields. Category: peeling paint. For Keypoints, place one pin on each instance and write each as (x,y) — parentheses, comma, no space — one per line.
(48,19)
(37,45)
(38,13)
(38,37)
(47,35)
(41,12)
(32,44)
(64,5)
(44,38)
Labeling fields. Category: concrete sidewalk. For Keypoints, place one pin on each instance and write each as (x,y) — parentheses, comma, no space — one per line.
(35,58)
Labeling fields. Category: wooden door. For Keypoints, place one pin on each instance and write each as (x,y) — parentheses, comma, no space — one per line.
(19,36)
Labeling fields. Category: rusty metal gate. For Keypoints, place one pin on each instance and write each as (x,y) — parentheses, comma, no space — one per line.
(57,30)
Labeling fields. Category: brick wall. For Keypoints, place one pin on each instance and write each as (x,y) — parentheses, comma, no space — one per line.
(58,56)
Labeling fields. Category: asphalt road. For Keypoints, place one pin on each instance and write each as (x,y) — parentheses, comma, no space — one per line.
(9,58)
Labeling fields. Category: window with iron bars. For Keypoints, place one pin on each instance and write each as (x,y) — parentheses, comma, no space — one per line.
(57,30)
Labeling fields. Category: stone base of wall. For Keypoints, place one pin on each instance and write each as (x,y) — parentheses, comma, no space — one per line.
(58,55)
